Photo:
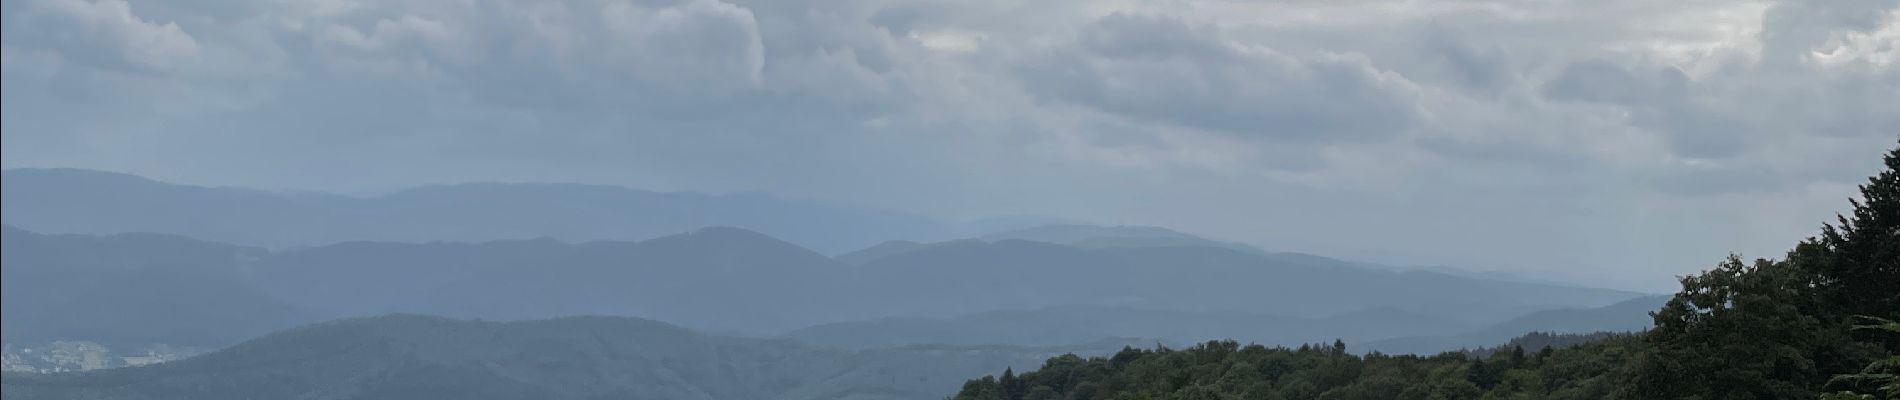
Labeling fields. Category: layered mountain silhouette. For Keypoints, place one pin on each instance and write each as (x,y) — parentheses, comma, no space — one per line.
(971,276)
(1126,236)
(134,290)
(237,263)
(96,202)
(734,281)
(420,357)
(1626,316)
(1093,236)
(1082,324)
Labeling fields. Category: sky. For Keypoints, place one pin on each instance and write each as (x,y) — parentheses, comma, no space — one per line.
(1610,142)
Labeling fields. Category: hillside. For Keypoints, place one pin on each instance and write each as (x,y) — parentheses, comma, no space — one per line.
(1082,324)
(134,290)
(1387,331)
(972,276)
(406,356)
(719,279)
(1225,369)
(1124,236)
(735,281)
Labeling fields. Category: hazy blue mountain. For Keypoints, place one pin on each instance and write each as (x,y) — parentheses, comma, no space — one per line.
(735,281)
(1084,324)
(1485,274)
(973,276)
(415,357)
(1626,316)
(721,279)
(95,202)
(1095,236)
(133,290)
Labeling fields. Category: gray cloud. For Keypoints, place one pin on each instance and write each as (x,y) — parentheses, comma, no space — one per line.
(102,33)
(1792,29)
(1164,70)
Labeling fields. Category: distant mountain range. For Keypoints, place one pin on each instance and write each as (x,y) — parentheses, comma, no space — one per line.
(1123,236)
(418,357)
(1082,324)
(275,260)
(96,202)
(1016,274)
(1626,316)
(78,201)
(422,357)
(1102,237)
(1388,331)
(134,290)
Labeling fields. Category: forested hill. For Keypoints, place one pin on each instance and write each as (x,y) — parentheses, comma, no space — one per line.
(1815,324)
(420,357)
(1226,370)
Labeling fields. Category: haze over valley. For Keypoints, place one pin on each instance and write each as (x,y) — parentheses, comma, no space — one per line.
(949,200)
(877,317)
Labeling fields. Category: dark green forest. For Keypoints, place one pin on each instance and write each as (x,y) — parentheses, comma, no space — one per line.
(1817,323)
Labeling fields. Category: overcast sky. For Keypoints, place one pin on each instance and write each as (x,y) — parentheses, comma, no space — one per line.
(1614,142)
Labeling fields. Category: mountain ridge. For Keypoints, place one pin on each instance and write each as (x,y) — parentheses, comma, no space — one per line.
(64,200)
(734,281)
(414,356)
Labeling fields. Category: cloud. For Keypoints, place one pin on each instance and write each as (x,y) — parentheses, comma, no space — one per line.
(1793,30)
(701,45)
(1163,70)
(1657,99)
(102,33)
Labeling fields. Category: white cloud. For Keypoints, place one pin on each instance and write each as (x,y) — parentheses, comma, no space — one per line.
(951,41)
